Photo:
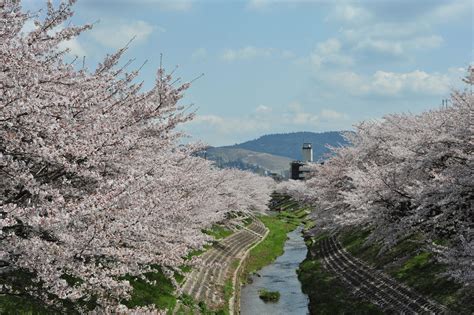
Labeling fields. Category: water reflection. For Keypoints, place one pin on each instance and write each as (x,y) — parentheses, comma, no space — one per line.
(280,276)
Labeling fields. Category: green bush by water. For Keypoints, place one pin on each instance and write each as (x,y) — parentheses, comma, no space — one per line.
(269,296)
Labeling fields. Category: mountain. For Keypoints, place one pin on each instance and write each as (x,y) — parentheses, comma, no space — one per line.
(258,162)
(272,153)
(289,144)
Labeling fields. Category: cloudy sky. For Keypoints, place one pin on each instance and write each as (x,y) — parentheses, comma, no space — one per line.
(279,66)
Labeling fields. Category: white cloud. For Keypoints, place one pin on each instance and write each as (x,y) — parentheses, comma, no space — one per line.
(227,125)
(29,26)
(392,83)
(173,5)
(246,53)
(262,109)
(73,45)
(263,119)
(169,5)
(295,107)
(329,52)
(258,4)
(304,119)
(399,47)
(199,54)
(75,48)
(288,54)
(350,14)
(385,30)
(371,27)
(426,42)
(380,46)
(333,115)
(116,33)
(348,81)
(416,82)
(264,4)
(329,47)
(298,116)
(209,119)
(448,11)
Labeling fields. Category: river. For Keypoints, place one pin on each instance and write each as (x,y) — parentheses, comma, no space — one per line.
(279,276)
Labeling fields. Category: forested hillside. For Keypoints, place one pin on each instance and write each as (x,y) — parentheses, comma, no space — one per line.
(243,159)
(289,144)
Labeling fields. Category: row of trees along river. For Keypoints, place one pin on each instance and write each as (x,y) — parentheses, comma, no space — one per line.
(97,189)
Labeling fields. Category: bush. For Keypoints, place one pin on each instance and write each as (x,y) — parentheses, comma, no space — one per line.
(269,296)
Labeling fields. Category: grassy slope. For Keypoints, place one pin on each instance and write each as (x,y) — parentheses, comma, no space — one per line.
(144,293)
(406,262)
(327,294)
(410,264)
(218,231)
(272,246)
(274,163)
(160,294)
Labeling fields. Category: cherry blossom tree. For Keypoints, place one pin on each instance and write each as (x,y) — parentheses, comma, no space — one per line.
(403,175)
(94,182)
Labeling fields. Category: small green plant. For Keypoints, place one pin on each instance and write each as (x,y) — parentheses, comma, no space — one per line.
(157,289)
(247,221)
(218,231)
(269,296)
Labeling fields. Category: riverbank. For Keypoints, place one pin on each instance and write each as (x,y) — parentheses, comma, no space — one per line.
(210,286)
(327,294)
(281,279)
(284,217)
(279,224)
(405,263)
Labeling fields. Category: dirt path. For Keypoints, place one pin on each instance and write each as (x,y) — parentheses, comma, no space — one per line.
(206,282)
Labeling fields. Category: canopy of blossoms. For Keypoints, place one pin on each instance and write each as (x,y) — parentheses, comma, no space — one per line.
(94,183)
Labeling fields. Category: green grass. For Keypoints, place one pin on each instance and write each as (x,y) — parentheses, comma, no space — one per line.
(288,205)
(185,268)
(218,231)
(271,247)
(247,221)
(197,252)
(423,274)
(228,292)
(414,263)
(23,303)
(410,264)
(160,294)
(269,296)
(406,262)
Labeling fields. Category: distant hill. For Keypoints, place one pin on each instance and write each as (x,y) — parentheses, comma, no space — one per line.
(289,144)
(272,153)
(258,162)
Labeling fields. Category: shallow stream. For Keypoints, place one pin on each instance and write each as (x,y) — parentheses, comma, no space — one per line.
(279,276)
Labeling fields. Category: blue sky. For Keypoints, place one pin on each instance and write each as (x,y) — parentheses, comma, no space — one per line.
(280,66)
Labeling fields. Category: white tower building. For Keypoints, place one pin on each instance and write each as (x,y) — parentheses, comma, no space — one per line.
(307,152)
